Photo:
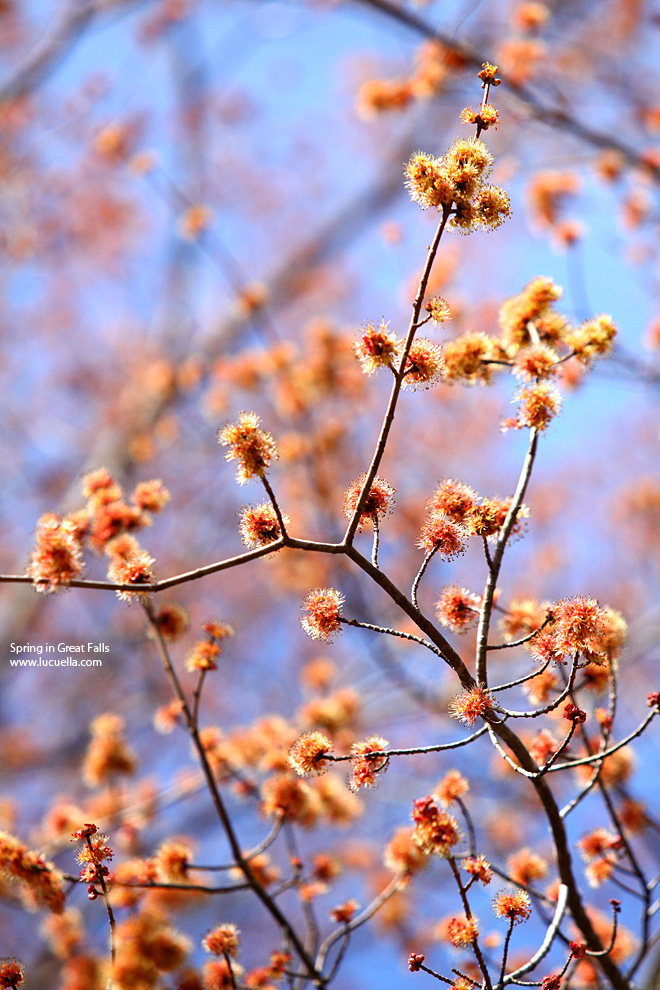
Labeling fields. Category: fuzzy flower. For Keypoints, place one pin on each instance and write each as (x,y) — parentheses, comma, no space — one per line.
(259,525)
(532,305)
(491,207)
(488,75)
(150,496)
(592,339)
(451,787)
(513,904)
(538,404)
(424,364)
(218,630)
(485,116)
(41,884)
(427,181)
(217,974)
(479,867)
(470,705)
(172,621)
(578,625)
(203,656)
(249,445)
(464,358)
(222,940)
(442,535)
(308,754)
(536,362)
(438,308)
(323,606)
(435,831)
(135,570)
(402,854)
(376,348)
(367,761)
(57,557)
(378,503)
(108,754)
(526,866)
(467,162)
(12,972)
(457,608)
(454,499)
(344,913)
(488,517)
(100,486)
(462,931)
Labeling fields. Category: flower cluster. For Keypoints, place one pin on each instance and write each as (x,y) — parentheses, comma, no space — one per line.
(367,761)
(512,904)
(323,607)
(259,525)
(379,500)
(39,883)
(456,184)
(376,348)
(57,557)
(92,855)
(108,755)
(308,755)
(251,447)
(457,608)
(435,831)
(470,705)
(222,941)
(12,972)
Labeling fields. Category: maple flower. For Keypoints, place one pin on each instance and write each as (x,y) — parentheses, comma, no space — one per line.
(12,972)
(491,207)
(462,931)
(41,883)
(378,503)
(249,445)
(451,787)
(592,339)
(308,754)
(464,358)
(150,496)
(415,960)
(172,860)
(538,404)
(435,831)
(402,854)
(442,535)
(525,866)
(485,115)
(424,364)
(454,499)
(552,982)
(488,75)
(203,656)
(134,569)
(469,705)
(479,867)
(457,608)
(172,621)
(57,557)
(536,362)
(344,913)
(376,348)
(222,940)
(218,975)
(367,761)
(259,525)
(578,625)
(513,904)
(323,606)
(573,714)
(438,309)
(427,181)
